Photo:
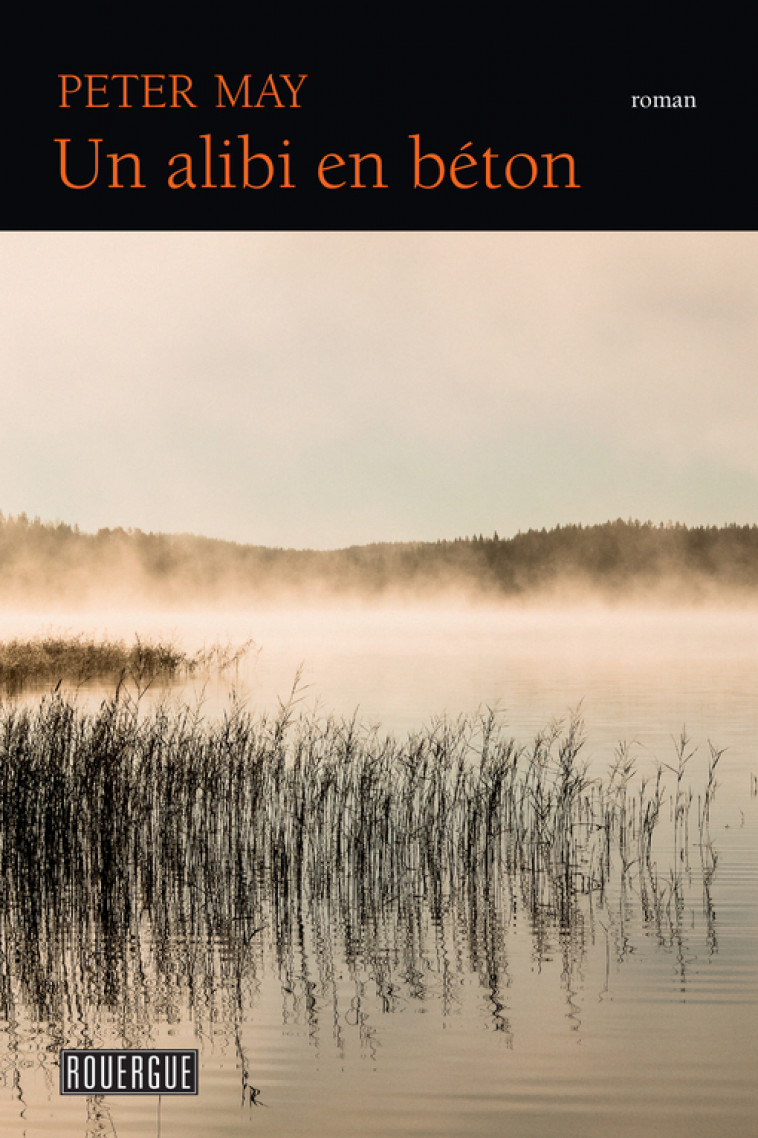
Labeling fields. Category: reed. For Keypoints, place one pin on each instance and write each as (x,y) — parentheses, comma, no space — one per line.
(132,830)
(48,660)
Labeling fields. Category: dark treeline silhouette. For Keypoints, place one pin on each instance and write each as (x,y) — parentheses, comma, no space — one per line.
(614,560)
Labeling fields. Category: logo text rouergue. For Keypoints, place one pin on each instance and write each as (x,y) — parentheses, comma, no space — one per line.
(113,1072)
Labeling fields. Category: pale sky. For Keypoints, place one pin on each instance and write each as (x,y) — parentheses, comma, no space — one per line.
(329,389)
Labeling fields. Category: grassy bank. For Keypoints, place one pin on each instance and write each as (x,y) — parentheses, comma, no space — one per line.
(45,661)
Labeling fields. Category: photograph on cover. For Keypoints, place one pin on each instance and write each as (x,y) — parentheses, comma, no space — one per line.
(378,659)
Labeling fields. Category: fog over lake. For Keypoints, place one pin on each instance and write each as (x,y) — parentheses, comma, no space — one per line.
(464,842)
(636,1015)
(400,663)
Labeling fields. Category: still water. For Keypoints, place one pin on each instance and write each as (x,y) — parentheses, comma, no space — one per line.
(468,1013)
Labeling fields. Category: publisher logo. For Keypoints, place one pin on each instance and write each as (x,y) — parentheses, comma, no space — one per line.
(111,1072)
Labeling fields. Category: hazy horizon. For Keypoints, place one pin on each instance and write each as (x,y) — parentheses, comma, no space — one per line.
(470,535)
(322,390)
(616,564)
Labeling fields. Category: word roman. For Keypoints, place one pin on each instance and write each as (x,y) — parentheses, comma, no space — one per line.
(159,1072)
(172,91)
(657,101)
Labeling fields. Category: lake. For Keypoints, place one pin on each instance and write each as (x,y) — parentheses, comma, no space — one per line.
(471,1003)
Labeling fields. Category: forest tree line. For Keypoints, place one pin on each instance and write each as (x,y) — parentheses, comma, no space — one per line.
(614,559)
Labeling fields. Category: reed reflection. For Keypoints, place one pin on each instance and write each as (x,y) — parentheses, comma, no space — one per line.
(157,865)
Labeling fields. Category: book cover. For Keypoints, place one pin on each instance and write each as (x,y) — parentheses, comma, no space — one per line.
(378,576)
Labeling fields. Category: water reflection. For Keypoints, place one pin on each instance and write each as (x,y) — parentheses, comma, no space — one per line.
(160,867)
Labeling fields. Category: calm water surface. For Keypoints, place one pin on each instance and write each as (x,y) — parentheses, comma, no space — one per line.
(458,1018)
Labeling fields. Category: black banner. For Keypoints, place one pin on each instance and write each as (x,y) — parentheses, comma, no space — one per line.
(138,1072)
(482,126)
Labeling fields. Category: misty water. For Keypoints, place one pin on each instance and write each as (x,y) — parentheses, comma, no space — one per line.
(442,1012)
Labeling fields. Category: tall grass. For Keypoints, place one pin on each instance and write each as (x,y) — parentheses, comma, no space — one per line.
(138,846)
(47,660)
